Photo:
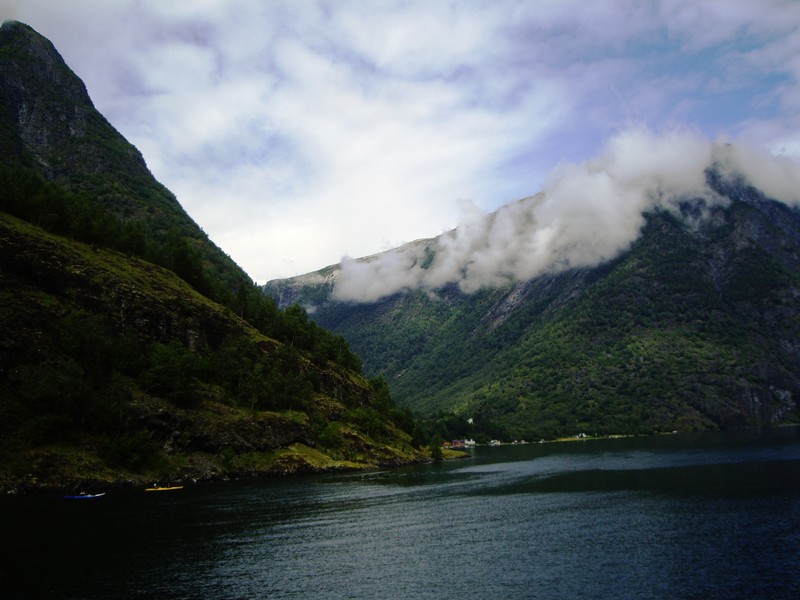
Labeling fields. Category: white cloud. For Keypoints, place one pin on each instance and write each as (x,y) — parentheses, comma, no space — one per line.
(777,177)
(296,133)
(589,213)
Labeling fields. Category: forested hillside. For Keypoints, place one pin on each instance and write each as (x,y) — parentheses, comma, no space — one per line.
(695,327)
(133,348)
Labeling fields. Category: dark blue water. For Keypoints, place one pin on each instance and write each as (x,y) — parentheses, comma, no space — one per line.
(702,516)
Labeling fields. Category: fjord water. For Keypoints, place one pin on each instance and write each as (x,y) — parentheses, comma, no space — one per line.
(681,516)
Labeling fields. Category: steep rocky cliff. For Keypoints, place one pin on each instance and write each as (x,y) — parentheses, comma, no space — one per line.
(50,125)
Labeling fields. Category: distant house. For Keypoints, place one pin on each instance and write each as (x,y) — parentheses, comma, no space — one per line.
(454,444)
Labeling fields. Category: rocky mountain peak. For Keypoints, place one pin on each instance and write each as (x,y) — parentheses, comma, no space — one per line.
(49,121)
(37,65)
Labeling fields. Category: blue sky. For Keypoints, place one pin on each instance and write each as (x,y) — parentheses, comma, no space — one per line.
(299,132)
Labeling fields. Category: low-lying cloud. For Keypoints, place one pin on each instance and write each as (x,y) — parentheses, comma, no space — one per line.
(287,130)
(588,213)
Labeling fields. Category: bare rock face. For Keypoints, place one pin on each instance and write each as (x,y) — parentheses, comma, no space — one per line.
(48,121)
(34,79)
(48,106)
(49,124)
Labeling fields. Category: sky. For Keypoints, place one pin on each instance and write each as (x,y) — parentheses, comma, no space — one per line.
(587,214)
(298,133)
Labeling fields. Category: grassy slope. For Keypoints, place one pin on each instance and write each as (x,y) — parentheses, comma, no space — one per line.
(693,328)
(47,279)
(113,366)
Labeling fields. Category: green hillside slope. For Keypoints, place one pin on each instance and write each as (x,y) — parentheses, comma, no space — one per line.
(114,369)
(131,347)
(695,327)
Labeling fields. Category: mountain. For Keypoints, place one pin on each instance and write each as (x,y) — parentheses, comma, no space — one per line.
(133,348)
(695,326)
(50,126)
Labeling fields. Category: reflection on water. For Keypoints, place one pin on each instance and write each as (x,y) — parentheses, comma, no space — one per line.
(714,515)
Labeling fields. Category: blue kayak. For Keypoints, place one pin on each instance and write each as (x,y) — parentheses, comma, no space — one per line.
(85,496)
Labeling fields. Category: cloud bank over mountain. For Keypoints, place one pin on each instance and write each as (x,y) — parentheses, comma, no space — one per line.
(298,132)
(588,213)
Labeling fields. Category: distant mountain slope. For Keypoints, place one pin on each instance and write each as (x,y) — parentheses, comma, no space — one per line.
(131,347)
(696,326)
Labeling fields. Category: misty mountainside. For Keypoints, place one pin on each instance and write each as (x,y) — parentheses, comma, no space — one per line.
(132,348)
(694,326)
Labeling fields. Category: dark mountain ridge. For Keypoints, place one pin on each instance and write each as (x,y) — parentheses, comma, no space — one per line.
(694,327)
(52,125)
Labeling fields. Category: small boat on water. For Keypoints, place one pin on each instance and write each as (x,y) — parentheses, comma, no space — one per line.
(85,496)
(158,488)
